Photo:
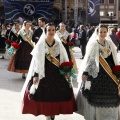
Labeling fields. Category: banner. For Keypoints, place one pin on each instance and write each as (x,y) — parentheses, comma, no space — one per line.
(28,9)
(93,11)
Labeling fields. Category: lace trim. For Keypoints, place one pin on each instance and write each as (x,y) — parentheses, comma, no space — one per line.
(92,69)
(101,101)
(55,50)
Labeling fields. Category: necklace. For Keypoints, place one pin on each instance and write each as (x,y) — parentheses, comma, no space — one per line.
(101,43)
(51,47)
(104,50)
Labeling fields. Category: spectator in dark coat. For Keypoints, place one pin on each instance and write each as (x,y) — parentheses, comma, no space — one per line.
(114,37)
(83,40)
(38,32)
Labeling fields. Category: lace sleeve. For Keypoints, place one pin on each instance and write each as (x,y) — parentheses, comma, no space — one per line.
(92,69)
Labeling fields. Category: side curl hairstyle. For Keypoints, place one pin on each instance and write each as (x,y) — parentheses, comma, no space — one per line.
(49,24)
(25,22)
(102,26)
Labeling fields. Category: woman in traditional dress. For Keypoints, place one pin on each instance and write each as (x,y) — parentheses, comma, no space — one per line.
(64,37)
(97,97)
(2,40)
(20,61)
(13,36)
(53,95)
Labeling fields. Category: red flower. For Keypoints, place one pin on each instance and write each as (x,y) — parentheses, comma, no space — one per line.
(70,43)
(8,41)
(15,45)
(116,70)
(67,64)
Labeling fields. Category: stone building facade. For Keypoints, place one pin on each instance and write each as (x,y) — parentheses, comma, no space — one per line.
(66,10)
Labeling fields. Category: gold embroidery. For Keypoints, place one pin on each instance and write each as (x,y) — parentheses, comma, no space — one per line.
(53,60)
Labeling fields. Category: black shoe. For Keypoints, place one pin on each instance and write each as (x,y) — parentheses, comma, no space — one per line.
(2,57)
(52,117)
(23,76)
(81,57)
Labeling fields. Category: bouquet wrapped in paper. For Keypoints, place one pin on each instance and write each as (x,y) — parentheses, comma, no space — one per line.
(14,47)
(8,43)
(70,44)
(66,69)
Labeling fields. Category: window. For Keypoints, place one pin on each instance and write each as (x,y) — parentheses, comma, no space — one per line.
(111,1)
(110,13)
(101,1)
(101,13)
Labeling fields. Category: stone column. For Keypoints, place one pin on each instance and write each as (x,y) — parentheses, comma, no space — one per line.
(75,12)
(66,3)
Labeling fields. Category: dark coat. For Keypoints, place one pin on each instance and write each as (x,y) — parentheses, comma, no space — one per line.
(12,36)
(82,38)
(37,33)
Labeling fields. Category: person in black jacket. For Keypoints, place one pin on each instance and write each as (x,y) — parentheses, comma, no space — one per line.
(83,40)
(38,32)
(13,35)
(9,29)
(2,40)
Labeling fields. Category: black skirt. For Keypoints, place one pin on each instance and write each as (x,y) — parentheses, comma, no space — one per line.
(2,45)
(23,56)
(103,91)
(53,87)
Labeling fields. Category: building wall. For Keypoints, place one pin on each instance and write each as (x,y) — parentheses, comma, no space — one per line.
(59,12)
(60,5)
(119,14)
(106,8)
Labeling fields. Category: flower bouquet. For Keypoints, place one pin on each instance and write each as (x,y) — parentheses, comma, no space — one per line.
(66,70)
(13,48)
(8,43)
(116,71)
(70,44)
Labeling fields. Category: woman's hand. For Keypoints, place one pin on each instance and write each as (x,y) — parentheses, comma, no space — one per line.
(66,76)
(35,80)
(84,77)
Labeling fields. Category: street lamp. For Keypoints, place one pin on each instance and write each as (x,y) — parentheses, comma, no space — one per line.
(111,16)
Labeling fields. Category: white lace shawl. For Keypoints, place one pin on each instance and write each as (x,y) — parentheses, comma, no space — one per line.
(38,61)
(14,31)
(91,59)
(3,33)
(61,36)
(22,33)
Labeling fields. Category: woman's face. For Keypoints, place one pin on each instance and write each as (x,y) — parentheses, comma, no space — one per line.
(50,31)
(102,32)
(17,26)
(62,27)
(28,25)
(3,26)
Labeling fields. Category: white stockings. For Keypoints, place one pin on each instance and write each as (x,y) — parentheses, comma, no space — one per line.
(48,118)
